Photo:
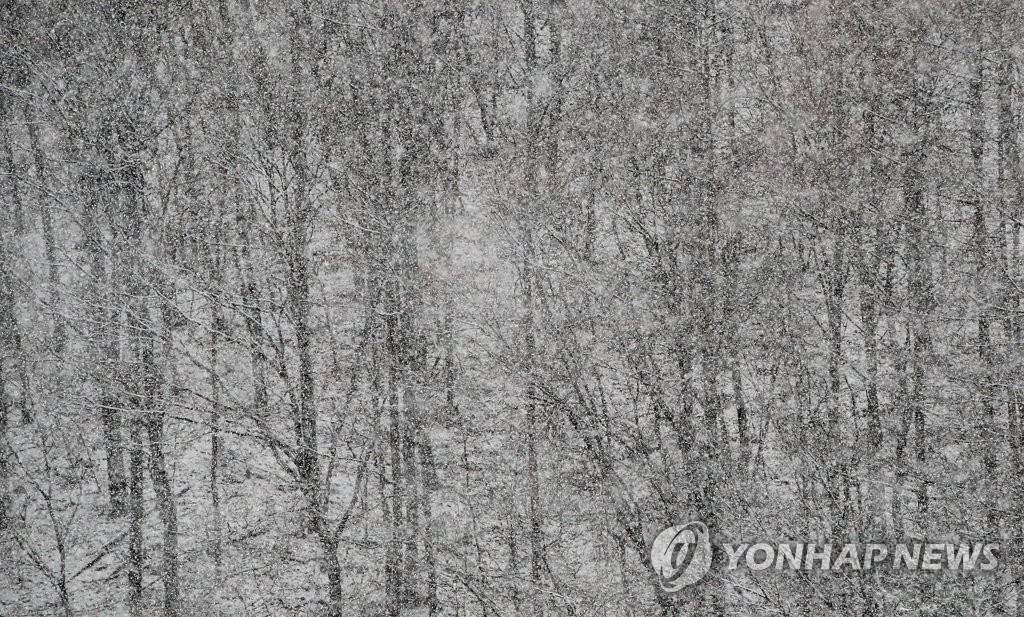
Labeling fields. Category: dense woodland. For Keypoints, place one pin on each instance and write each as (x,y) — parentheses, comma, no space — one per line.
(448,307)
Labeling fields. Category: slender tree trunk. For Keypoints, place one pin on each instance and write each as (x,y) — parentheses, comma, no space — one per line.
(982,256)
(410,476)
(136,508)
(306,456)
(396,587)
(161,482)
(329,545)
(867,264)
(105,331)
(216,325)
(10,332)
(11,170)
(920,303)
(153,388)
(49,241)
(253,316)
(1008,200)
(535,530)
(5,463)
(113,440)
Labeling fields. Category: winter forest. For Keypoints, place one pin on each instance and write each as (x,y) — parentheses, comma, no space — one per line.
(448,307)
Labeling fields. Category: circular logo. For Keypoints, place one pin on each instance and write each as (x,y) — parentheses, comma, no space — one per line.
(681,555)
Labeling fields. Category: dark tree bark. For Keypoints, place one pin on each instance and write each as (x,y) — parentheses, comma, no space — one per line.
(49,240)
(136,498)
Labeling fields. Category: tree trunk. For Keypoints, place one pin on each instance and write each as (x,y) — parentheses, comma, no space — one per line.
(10,333)
(336,592)
(5,463)
(11,170)
(153,385)
(920,301)
(216,324)
(306,456)
(49,241)
(531,179)
(104,332)
(136,466)
(395,581)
